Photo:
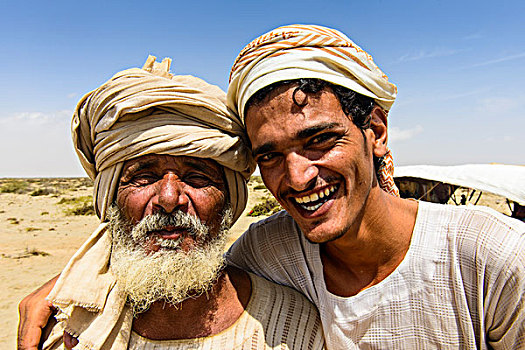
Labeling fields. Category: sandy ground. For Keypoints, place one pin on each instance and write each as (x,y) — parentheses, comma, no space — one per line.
(38,236)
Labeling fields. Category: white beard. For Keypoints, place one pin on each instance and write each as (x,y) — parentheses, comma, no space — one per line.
(169,274)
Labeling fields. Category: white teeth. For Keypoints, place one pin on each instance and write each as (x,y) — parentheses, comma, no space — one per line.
(314,197)
(313,207)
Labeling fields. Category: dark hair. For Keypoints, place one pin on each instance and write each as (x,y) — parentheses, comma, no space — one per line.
(356,106)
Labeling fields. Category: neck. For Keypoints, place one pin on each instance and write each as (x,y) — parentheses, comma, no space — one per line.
(202,316)
(373,247)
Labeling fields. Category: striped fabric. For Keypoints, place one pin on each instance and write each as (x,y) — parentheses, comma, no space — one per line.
(311,51)
(304,38)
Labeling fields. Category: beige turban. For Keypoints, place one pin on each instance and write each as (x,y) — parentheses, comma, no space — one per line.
(310,51)
(149,111)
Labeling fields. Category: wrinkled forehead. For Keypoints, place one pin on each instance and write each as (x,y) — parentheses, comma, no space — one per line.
(286,103)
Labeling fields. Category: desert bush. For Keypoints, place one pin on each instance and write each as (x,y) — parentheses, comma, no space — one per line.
(267,207)
(80,205)
(75,200)
(15,186)
(255,179)
(85,209)
(43,191)
(31,229)
(259,187)
(36,252)
(13,221)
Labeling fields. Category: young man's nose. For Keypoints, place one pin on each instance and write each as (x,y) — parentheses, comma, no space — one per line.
(301,172)
(170,194)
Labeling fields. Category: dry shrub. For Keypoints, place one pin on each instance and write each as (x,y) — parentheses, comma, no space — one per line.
(43,191)
(15,186)
(78,205)
(29,252)
(267,207)
(13,221)
(36,252)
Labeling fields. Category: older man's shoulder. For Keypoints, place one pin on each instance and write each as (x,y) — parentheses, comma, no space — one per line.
(281,222)
(285,315)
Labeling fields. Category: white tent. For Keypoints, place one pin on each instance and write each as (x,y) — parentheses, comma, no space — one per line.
(504,180)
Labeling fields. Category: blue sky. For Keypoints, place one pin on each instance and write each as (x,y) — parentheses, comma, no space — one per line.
(459,67)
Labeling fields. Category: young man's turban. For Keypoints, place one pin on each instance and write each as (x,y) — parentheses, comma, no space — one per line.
(149,111)
(310,51)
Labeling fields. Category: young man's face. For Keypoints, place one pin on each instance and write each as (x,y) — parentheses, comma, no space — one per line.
(165,184)
(316,162)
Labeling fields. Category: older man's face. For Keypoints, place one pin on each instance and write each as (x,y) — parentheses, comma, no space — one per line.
(169,229)
(167,184)
(314,160)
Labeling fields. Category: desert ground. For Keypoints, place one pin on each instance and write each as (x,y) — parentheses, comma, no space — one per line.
(44,221)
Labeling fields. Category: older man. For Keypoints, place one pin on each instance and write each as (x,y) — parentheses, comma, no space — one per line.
(385,273)
(170,165)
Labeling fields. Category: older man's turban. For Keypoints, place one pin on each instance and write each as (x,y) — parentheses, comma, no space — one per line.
(310,51)
(149,111)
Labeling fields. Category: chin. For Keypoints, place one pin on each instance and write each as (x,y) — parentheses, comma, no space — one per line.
(319,236)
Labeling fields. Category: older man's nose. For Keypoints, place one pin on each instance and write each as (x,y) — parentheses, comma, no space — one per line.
(170,194)
(300,171)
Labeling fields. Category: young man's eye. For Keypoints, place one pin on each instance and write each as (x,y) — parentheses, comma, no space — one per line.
(266,158)
(323,139)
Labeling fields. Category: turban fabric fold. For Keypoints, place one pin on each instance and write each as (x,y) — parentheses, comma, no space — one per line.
(311,51)
(149,111)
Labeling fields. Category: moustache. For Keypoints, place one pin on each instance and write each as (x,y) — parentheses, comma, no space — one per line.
(160,221)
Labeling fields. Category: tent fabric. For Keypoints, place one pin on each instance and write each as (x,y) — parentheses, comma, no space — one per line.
(504,180)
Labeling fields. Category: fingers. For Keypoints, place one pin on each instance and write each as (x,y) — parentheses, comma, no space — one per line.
(34,313)
(33,319)
(69,341)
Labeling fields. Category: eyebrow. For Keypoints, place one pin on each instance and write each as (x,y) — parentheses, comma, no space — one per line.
(303,134)
(202,166)
(264,148)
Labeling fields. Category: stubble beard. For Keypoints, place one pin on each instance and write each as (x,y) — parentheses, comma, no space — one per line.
(170,274)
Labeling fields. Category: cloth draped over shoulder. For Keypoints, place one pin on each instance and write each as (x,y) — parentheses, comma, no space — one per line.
(311,51)
(150,111)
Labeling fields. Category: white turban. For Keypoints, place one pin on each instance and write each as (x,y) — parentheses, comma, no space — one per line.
(310,51)
(149,111)
(306,51)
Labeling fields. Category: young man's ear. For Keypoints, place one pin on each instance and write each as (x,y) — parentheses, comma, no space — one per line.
(378,124)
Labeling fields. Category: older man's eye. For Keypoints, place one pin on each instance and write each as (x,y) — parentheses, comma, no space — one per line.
(198,180)
(143,179)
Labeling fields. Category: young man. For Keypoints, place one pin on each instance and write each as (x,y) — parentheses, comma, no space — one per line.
(385,273)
